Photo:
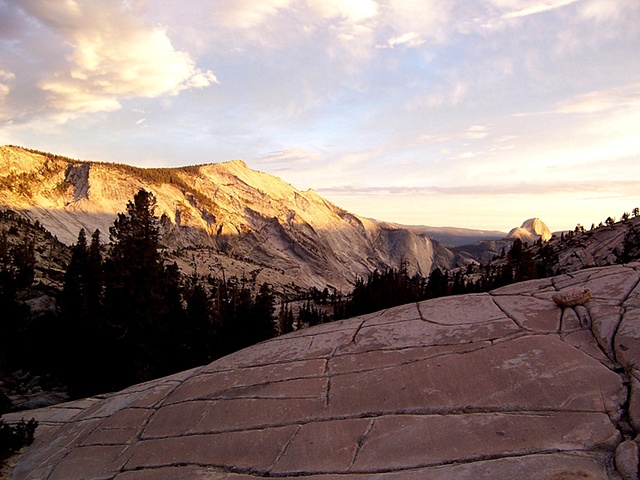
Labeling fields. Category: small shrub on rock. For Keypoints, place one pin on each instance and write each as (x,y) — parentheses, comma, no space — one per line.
(14,437)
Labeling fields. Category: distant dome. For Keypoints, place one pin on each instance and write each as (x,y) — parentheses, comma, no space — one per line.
(530,231)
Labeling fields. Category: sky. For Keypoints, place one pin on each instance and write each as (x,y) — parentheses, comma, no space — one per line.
(466,113)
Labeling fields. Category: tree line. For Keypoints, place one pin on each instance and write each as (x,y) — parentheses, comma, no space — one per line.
(392,287)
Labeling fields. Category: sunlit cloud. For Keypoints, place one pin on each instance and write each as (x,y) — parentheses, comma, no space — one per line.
(411,39)
(113,55)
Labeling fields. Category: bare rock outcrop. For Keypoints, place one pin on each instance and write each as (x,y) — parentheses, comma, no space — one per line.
(501,385)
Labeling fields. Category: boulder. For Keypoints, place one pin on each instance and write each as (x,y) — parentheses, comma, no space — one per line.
(572,297)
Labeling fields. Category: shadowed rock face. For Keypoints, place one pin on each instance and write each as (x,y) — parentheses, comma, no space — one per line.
(504,385)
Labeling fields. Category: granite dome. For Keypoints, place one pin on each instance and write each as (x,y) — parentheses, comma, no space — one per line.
(530,231)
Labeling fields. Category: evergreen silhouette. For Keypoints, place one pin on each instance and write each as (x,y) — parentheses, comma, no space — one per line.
(141,295)
(17,264)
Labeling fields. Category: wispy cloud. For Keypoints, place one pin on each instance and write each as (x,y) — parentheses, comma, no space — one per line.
(476,132)
(490,190)
(5,78)
(410,39)
(600,100)
(538,7)
(350,10)
(246,14)
(289,156)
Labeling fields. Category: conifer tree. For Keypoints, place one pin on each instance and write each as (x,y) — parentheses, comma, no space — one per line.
(139,292)
(198,336)
(17,272)
(95,278)
(84,346)
(14,314)
(74,300)
(262,324)
(285,319)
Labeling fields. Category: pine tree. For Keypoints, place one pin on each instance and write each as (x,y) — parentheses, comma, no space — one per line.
(198,339)
(83,344)
(438,284)
(285,319)
(95,278)
(74,300)
(262,323)
(13,318)
(140,294)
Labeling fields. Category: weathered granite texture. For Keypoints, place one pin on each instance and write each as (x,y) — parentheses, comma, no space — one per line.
(504,385)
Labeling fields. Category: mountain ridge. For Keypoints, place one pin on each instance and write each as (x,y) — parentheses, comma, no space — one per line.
(227,207)
(453,236)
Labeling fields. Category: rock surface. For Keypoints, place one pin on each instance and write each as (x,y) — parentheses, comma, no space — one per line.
(504,385)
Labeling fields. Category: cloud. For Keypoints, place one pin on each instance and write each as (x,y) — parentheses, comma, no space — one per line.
(113,54)
(537,7)
(411,39)
(489,190)
(351,10)
(246,14)
(289,156)
(4,87)
(429,19)
(476,132)
(250,15)
(601,100)
(607,10)
(449,95)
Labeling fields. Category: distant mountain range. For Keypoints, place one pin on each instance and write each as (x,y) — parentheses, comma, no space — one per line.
(451,236)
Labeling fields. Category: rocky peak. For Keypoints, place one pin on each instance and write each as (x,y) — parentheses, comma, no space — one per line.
(234,211)
(530,231)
